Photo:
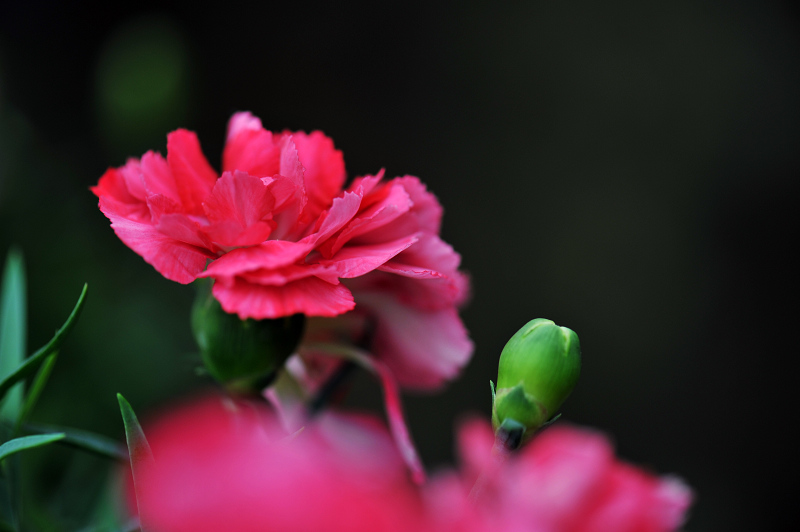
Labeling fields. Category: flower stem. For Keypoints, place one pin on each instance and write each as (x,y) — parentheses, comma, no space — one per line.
(392,402)
(505,443)
(323,396)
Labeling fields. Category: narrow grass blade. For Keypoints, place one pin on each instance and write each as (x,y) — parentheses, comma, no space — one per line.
(13,332)
(30,364)
(139,452)
(84,440)
(27,442)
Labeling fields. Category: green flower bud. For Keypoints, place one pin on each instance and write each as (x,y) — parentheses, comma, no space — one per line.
(243,355)
(538,369)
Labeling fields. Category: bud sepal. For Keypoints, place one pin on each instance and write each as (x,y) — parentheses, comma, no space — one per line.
(243,355)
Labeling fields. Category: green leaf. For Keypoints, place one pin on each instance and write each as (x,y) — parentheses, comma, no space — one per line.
(13,332)
(31,363)
(36,390)
(27,442)
(552,420)
(138,450)
(84,440)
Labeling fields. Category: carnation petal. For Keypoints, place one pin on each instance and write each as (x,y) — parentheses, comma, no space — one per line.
(566,479)
(566,471)
(366,183)
(342,211)
(379,209)
(241,121)
(238,196)
(354,261)
(228,234)
(224,465)
(251,149)
(289,164)
(175,260)
(424,215)
(324,170)
(112,190)
(435,352)
(287,274)
(574,481)
(170,221)
(431,252)
(310,296)
(475,442)
(113,184)
(269,254)
(423,289)
(194,177)
(134,179)
(427,209)
(430,274)
(288,188)
(239,209)
(156,175)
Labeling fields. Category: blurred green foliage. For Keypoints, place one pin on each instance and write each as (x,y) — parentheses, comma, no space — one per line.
(143,70)
(22,380)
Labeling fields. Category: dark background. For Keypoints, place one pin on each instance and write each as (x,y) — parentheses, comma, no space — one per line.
(627,170)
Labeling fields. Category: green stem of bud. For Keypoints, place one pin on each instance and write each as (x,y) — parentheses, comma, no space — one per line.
(509,435)
(507,439)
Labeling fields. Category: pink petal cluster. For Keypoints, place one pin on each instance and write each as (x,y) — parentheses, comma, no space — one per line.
(279,234)
(224,466)
(566,479)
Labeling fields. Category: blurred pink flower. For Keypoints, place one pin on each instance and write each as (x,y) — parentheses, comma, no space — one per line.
(223,465)
(226,466)
(566,480)
(278,234)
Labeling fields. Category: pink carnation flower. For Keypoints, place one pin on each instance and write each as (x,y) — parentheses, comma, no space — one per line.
(566,480)
(278,234)
(226,466)
(221,465)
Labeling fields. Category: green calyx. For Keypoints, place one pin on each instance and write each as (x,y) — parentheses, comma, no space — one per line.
(243,355)
(538,369)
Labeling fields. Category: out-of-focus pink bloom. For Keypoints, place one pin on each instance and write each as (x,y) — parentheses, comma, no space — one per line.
(278,234)
(565,480)
(224,465)
(221,465)
(304,377)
